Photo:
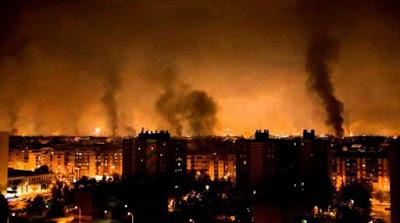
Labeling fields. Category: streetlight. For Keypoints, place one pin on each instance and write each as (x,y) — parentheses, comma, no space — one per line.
(12,215)
(79,213)
(132,218)
(107,214)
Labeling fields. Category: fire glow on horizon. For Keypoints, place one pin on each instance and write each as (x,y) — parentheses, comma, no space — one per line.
(248,60)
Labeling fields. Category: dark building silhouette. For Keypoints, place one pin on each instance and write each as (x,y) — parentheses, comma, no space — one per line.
(256,159)
(394,159)
(309,135)
(275,165)
(261,135)
(128,158)
(176,157)
(152,153)
(314,156)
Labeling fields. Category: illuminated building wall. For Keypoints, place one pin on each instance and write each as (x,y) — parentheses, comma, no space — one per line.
(197,162)
(30,159)
(29,182)
(217,166)
(59,164)
(108,163)
(21,159)
(3,160)
(69,162)
(374,170)
(362,159)
(85,164)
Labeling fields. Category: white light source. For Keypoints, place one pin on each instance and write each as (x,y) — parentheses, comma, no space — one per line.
(97,131)
(132,217)
(79,212)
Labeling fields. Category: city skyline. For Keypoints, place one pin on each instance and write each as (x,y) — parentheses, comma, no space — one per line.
(199,111)
(266,164)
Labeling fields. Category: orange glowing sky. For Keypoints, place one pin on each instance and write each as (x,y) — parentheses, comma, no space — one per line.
(247,55)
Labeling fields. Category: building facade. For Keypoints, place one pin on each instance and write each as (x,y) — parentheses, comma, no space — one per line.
(216,166)
(69,162)
(154,153)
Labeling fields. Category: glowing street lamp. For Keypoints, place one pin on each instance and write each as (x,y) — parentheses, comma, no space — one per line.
(79,212)
(107,215)
(12,215)
(132,218)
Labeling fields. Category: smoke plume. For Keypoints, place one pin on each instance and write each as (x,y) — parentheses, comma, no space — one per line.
(112,83)
(321,51)
(167,106)
(180,104)
(13,116)
(55,70)
(201,112)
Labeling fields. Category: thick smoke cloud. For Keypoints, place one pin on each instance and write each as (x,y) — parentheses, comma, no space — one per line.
(201,112)
(322,50)
(13,115)
(56,58)
(112,84)
(179,104)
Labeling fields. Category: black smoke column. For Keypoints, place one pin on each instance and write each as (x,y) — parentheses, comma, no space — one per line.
(168,107)
(201,112)
(112,84)
(179,104)
(13,116)
(322,50)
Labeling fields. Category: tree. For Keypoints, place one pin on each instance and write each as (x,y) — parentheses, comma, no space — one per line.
(42,169)
(355,200)
(37,206)
(4,211)
(116,177)
(56,209)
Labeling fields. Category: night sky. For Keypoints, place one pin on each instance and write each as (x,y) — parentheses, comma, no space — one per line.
(67,67)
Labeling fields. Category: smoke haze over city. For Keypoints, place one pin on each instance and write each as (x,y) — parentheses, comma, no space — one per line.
(69,67)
